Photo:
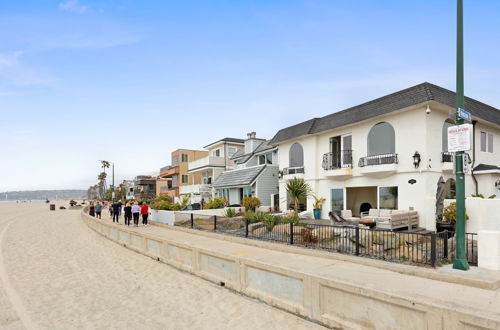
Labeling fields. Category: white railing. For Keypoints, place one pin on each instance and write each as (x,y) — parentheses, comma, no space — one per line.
(206,161)
(195,189)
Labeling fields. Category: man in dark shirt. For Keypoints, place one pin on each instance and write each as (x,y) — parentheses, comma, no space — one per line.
(117,207)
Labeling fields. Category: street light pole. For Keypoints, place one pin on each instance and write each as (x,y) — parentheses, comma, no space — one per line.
(460,261)
(113,179)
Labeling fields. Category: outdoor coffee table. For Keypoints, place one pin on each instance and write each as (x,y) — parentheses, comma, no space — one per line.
(368,222)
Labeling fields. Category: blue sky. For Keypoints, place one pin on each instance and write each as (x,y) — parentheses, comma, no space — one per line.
(131,81)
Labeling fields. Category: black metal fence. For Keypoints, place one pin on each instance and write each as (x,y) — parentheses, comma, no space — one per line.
(431,249)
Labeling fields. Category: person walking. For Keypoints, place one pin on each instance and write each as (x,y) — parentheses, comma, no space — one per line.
(116,211)
(98,210)
(127,210)
(110,208)
(136,209)
(92,209)
(120,209)
(144,213)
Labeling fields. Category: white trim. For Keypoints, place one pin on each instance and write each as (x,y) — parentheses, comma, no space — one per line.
(488,172)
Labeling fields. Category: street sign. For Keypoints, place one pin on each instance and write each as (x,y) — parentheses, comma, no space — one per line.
(459,138)
(465,115)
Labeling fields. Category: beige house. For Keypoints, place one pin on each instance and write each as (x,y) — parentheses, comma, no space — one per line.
(178,172)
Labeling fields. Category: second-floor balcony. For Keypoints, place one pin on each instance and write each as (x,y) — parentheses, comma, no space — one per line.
(385,163)
(168,171)
(195,189)
(338,164)
(337,160)
(206,162)
(447,161)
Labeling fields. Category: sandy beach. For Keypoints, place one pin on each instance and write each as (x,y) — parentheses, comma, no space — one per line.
(56,273)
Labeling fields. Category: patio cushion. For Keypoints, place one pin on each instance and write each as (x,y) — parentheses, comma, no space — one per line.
(346,214)
(385,213)
(374,213)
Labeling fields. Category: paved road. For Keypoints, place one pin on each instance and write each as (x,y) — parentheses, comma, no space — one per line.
(55,273)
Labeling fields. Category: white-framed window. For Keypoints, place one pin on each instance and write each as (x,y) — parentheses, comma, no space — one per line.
(266,159)
(231,151)
(185,158)
(486,142)
(388,198)
(185,179)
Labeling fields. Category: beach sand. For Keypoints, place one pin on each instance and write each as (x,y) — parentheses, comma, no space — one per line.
(56,273)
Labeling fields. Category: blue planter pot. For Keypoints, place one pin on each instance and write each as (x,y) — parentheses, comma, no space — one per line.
(317,214)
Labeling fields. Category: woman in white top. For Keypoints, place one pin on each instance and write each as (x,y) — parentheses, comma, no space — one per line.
(136,209)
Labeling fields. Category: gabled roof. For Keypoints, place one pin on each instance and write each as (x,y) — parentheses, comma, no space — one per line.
(238,178)
(484,167)
(421,93)
(226,139)
(264,146)
(240,157)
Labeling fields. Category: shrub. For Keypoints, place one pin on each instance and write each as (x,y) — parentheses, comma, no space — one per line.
(216,203)
(229,213)
(293,217)
(161,205)
(450,213)
(250,203)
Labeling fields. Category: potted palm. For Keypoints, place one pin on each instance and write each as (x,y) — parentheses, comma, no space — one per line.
(318,202)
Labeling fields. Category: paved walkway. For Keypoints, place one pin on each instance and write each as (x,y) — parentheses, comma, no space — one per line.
(56,273)
(463,298)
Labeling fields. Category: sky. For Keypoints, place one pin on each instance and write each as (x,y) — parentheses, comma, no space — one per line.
(131,81)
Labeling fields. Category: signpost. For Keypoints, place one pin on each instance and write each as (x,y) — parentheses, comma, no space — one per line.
(460,261)
(459,138)
(465,115)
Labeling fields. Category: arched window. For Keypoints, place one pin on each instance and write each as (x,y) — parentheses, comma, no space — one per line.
(446,124)
(449,189)
(381,139)
(296,156)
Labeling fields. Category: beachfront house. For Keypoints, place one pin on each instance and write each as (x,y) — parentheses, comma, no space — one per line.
(209,168)
(389,153)
(178,173)
(255,173)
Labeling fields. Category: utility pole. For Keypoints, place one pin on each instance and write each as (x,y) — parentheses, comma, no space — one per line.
(113,182)
(460,261)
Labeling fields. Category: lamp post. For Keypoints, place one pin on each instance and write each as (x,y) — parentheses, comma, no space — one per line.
(460,261)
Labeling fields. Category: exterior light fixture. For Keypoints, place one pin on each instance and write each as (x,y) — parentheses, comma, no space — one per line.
(416,159)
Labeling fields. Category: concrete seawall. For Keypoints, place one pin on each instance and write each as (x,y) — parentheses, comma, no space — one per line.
(310,291)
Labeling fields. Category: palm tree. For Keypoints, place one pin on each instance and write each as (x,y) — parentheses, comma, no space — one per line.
(297,189)
(104,165)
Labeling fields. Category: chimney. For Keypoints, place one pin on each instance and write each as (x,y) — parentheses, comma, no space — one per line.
(251,142)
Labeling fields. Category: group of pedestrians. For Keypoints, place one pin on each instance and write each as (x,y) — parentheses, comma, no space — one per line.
(131,210)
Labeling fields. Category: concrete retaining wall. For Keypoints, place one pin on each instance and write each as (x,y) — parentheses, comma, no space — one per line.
(332,303)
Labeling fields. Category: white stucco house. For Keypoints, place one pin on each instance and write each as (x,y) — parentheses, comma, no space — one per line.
(389,153)
(210,167)
(255,173)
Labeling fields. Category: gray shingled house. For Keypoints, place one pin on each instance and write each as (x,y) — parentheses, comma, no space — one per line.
(255,173)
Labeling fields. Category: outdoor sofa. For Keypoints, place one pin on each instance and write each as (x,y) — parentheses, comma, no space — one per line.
(392,219)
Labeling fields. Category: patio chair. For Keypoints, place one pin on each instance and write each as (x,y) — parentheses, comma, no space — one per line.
(347,215)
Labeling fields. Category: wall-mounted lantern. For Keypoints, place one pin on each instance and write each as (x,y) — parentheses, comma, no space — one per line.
(416,159)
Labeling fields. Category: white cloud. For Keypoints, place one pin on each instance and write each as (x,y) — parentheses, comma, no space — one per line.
(73,6)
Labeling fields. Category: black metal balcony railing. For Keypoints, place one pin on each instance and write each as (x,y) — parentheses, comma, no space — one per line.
(447,157)
(378,160)
(293,170)
(336,160)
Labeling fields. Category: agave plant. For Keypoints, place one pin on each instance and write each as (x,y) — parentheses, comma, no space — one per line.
(297,189)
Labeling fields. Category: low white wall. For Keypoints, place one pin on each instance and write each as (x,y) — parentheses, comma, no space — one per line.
(489,249)
(330,302)
(484,214)
(161,216)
